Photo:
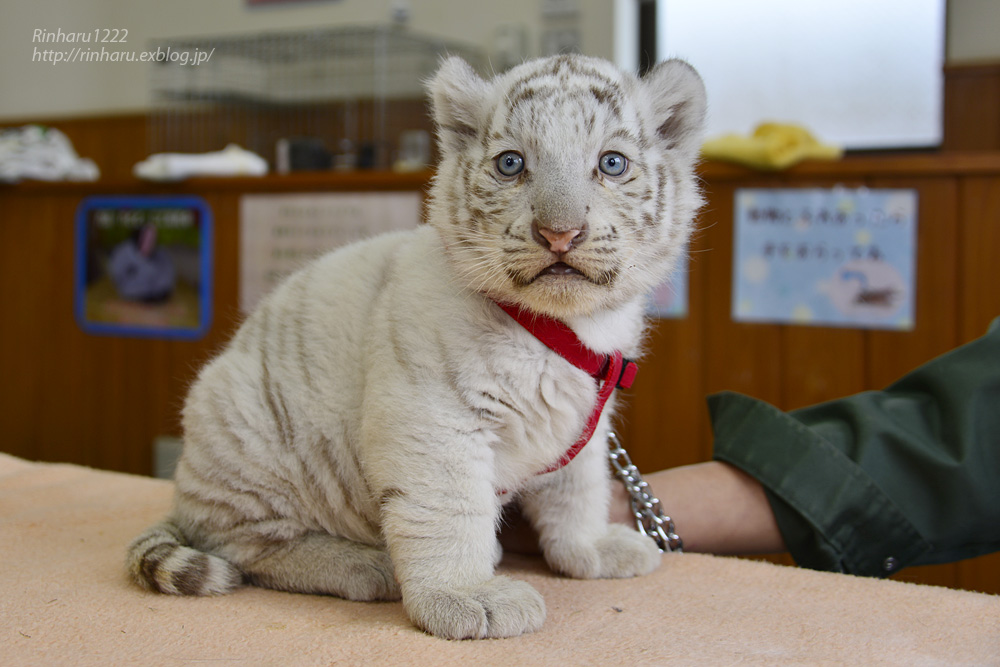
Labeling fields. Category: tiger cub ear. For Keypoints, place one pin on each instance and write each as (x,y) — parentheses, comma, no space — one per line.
(678,100)
(458,98)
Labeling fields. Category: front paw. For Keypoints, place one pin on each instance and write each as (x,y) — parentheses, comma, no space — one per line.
(501,607)
(621,552)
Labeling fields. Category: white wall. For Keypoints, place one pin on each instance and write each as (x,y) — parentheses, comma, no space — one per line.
(875,83)
(973,31)
(45,90)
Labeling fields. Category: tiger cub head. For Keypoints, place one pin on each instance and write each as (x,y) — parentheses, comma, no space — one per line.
(566,185)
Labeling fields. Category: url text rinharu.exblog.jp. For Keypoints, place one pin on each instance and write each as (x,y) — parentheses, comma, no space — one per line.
(79,54)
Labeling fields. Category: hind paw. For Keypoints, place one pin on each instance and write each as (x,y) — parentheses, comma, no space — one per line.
(371,580)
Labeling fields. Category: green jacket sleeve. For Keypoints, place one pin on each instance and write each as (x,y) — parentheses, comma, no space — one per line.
(874,482)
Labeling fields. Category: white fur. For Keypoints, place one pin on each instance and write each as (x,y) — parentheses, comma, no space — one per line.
(380,402)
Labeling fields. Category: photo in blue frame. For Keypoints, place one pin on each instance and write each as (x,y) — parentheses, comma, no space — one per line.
(144,266)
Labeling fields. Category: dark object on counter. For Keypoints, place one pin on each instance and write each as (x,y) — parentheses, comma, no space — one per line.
(302,154)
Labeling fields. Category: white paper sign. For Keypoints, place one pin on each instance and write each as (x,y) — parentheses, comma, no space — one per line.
(670,299)
(834,257)
(280,233)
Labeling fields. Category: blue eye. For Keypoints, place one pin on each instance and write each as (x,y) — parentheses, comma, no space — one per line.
(613,164)
(510,163)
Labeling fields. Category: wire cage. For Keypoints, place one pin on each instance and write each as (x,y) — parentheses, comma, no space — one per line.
(344,97)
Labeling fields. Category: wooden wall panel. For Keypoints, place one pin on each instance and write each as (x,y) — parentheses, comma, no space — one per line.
(820,364)
(932,575)
(978,298)
(69,396)
(656,425)
(972,107)
(24,339)
(978,574)
(894,353)
(102,400)
(978,293)
(738,356)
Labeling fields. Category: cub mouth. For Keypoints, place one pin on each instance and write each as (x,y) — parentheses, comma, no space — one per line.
(560,269)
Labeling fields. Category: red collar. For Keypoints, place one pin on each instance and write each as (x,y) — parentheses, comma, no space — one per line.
(611,371)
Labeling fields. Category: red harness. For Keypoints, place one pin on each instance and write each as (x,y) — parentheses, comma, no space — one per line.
(611,371)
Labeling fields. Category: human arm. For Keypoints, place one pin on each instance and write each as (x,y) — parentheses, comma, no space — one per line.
(877,481)
(716,508)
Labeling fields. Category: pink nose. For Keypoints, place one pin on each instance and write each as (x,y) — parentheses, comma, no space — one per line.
(559,241)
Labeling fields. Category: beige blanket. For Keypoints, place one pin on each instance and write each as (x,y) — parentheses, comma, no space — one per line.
(65,600)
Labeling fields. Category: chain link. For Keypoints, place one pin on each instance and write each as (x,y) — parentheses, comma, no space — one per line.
(649,517)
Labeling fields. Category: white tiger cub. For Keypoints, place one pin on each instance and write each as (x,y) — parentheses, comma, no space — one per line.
(361,432)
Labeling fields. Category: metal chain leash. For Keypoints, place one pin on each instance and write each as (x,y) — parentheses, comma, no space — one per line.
(649,516)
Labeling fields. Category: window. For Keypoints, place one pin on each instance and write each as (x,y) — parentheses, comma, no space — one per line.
(864,74)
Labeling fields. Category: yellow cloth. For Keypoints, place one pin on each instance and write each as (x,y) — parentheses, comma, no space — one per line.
(772,146)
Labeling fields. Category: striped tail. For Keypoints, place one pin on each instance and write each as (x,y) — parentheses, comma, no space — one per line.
(161,560)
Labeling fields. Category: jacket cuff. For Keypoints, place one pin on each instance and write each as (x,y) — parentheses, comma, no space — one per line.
(831,515)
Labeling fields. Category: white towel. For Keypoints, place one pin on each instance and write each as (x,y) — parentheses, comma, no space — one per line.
(231,161)
(42,154)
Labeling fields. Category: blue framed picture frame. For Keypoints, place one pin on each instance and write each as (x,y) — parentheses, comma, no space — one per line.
(144,266)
